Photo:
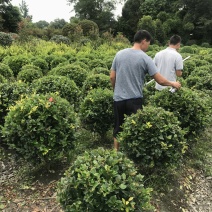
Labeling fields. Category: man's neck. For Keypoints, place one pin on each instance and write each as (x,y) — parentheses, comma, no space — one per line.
(136,46)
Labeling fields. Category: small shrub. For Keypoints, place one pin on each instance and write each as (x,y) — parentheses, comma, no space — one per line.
(2,79)
(96,81)
(186,104)
(89,28)
(152,137)
(187,49)
(97,63)
(16,63)
(148,91)
(206,45)
(9,94)
(189,66)
(101,70)
(49,59)
(40,128)
(6,71)
(69,29)
(103,180)
(60,39)
(108,62)
(57,60)
(81,64)
(96,111)
(200,79)
(73,72)
(5,39)
(42,64)
(65,87)
(27,75)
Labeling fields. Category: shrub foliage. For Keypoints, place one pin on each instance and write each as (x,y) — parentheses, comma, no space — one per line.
(103,180)
(40,127)
(65,87)
(186,104)
(96,111)
(152,137)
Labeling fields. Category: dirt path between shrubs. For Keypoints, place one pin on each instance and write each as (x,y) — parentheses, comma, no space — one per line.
(39,195)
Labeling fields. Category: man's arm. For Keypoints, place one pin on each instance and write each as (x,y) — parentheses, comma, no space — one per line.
(179,73)
(113,78)
(163,81)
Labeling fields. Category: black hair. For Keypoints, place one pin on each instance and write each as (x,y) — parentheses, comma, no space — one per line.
(142,35)
(174,40)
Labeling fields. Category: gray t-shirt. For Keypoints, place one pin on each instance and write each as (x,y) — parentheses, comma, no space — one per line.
(168,61)
(131,66)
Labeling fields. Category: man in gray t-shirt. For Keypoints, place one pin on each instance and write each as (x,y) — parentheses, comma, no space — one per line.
(127,78)
(169,61)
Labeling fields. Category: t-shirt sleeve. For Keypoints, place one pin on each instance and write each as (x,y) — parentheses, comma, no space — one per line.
(151,67)
(113,67)
(179,63)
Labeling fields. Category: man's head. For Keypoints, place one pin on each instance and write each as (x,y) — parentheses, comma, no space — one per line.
(175,41)
(142,38)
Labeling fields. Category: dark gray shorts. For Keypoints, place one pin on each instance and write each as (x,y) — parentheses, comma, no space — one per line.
(125,107)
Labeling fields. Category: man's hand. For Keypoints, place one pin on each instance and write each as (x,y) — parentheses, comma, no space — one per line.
(176,85)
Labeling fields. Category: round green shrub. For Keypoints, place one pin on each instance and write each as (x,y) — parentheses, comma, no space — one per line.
(9,94)
(96,81)
(17,62)
(97,63)
(6,71)
(42,64)
(108,61)
(186,104)
(101,70)
(148,91)
(208,58)
(96,111)
(65,87)
(5,39)
(73,72)
(60,39)
(152,137)
(2,79)
(57,60)
(103,180)
(90,28)
(200,79)
(40,128)
(187,49)
(69,29)
(49,59)
(81,64)
(201,62)
(27,75)
(206,45)
(189,66)
(84,60)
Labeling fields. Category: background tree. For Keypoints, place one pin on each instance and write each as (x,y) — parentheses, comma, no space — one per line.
(147,23)
(131,14)
(11,17)
(41,24)
(58,23)
(198,13)
(2,7)
(24,10)
(99,11)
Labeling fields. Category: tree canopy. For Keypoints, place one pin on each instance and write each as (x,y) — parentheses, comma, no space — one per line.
(99,11)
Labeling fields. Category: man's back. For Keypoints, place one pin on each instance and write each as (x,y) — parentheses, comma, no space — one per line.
(168,62)
(131,66)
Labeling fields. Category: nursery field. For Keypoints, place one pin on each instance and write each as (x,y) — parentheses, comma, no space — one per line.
(56,144)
